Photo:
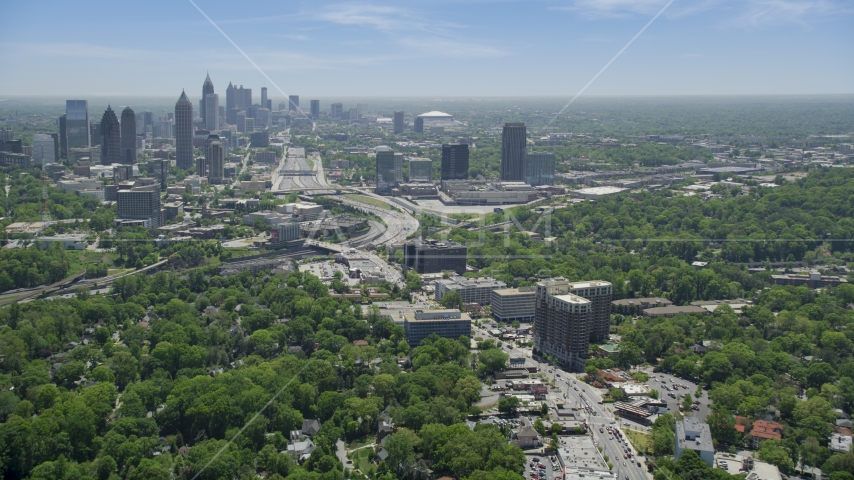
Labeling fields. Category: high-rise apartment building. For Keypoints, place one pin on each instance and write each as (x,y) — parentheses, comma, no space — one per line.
(600,294)
(398,122)
(513,152)
(45,148)
(336,111)
(293,102)
(389,170)
(129,152)
(455,161)
(183,132)
(540,168)
(207,89)
(77,124)
(561,323)
(211,112)
(420,170)
(140,203)
(111,138)
(315,108)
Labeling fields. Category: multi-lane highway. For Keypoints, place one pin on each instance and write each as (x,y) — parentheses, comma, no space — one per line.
(296,172)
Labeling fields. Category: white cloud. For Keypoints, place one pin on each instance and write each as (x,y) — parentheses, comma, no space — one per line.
(450,48)
(770,13)
(740,13)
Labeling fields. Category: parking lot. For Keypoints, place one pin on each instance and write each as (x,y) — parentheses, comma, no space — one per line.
(667,390)
(550,467)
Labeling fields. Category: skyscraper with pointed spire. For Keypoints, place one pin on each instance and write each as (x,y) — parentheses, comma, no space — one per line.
(230,101)
(111,138)
(183,132)
(207,89)
(128,137)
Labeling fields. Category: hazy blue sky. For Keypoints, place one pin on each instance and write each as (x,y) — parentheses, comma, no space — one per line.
(436,47)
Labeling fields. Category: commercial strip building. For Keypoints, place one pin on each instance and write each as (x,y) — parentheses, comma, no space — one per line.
(451,324)
(472,290)
(673,310)
(693,435)
(514,304)
(813,280)
(434,257)
(636,306)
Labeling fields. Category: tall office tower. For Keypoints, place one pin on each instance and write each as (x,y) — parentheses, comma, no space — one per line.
(77,124)
(148,119)
(540,169)
(221,114)
(129,130)
(207,89)
(513,152)
(6,135)
(215,157)
(95,133)
(354,114)
(140,203)
(389,169)
(63,136)
(561,323)
(433,257)
(139,119)
(361,110)
(240,121)
(231,116)
(283,106)
(398,122)
(45,149)
(211,111)
(264,97)
(160,169)
(336,111)
(250,125)
(293,102)
(420,170)
(230,100)
(455,161)
(419,125)
(183,132)
(162,129)
(202,164)
(111,138)
(263,117)
(247,96)
(315,108)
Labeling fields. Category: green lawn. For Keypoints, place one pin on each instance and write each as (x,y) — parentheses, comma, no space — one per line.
(360,459)
(368,200)
(640,441)
(79,259)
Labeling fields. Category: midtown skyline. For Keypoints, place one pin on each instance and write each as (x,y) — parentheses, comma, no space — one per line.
(710,47)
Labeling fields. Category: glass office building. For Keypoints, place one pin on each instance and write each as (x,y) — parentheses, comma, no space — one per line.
(77,124)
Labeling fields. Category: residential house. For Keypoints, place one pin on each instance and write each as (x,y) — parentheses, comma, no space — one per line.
(526,437)
(765,430)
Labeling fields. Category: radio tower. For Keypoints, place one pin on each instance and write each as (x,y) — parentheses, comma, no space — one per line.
(45,210)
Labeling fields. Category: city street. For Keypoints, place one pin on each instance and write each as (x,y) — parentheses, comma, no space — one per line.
(580,395)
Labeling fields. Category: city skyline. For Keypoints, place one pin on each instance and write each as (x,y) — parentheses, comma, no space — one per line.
(714,47)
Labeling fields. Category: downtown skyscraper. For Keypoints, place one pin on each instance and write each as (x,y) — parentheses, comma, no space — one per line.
(77,124)
(129,155)
(183,132)
(398,122)
(207,89)
(513,152)
(214,159)
(111,138)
